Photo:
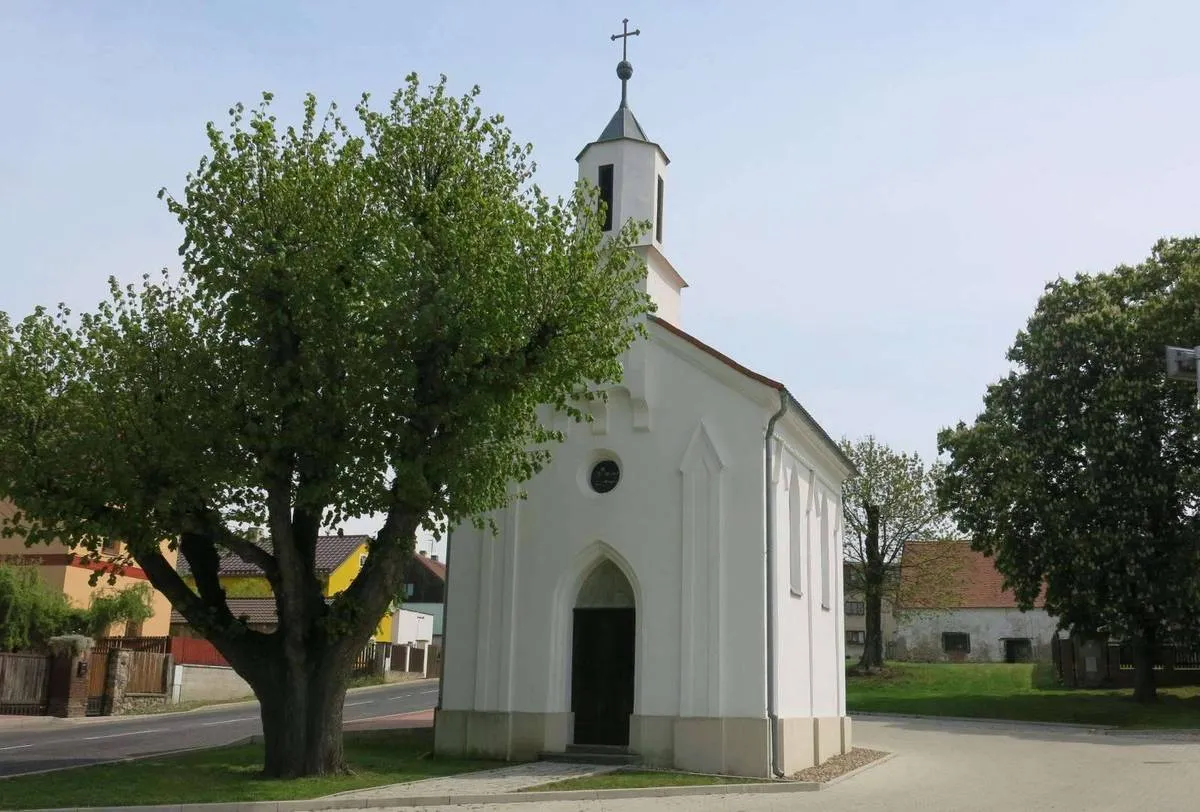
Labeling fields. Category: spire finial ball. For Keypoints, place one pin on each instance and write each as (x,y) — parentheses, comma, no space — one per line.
(624,70)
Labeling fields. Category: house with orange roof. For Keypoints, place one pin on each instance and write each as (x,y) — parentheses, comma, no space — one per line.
(954,607)
(70,571)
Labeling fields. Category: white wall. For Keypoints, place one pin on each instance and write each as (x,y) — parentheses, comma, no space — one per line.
(685,524)
(637,165)
(919,635)
(203,683)
(810,633)
(411,627)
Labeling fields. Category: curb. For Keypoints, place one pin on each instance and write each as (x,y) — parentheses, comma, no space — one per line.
(987,720)
(317,804)
(1154,733)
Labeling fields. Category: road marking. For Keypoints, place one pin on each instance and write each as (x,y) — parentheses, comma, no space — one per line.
(434,691)
(229,721)
(119,735)
(16,747)
(368,702)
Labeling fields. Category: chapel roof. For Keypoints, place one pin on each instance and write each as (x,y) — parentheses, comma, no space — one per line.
(623,124)
(823,435)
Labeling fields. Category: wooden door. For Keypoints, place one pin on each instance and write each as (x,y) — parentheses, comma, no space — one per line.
(602,675)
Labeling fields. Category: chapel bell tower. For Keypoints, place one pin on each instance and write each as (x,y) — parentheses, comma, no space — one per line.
(631,173)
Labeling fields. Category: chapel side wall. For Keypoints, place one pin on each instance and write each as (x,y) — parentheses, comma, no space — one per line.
(811,627)
(793,587)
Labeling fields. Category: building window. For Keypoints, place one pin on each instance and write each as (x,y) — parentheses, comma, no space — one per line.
(362,560)
(409,589)
(605,476)
(606,194)
(109,547)
(956,642)
(658,211)
(856,608)
(856,637)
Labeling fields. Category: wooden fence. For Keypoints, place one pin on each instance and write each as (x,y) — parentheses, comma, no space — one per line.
(149,673)
(24,684)
(1087,664)
(412,659)
(155,645)
(97,680)
(364,664)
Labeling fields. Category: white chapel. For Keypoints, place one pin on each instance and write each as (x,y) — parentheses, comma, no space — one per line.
(672,585)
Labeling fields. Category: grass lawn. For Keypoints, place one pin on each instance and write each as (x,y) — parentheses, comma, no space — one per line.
(229,774)
(1023,692)
(638,779)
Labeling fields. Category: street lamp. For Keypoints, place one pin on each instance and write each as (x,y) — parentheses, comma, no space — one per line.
(1182,364)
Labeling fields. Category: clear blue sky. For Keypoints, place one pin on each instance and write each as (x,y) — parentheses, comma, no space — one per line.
(866,197)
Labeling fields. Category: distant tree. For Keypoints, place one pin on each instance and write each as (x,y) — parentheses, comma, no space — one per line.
(129,605)
(1083,470)
(30,611)
(366,323)
(890,502)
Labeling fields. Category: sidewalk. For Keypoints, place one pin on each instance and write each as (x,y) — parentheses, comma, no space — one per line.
(485,782)
(394,722)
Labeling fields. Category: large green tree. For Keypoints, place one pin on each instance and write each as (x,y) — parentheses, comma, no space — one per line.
(366,321)
(1083,470)
(891,501)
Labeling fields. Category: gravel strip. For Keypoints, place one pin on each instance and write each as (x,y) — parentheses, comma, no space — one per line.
(839,765)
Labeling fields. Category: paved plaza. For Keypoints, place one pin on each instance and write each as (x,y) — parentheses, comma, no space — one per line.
(949,766)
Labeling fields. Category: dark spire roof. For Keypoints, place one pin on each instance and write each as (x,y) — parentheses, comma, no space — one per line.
(623,125)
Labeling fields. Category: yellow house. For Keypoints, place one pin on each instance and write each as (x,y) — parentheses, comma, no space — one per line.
(338,561)
(63,569)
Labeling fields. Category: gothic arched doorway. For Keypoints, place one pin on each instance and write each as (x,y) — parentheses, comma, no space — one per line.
(602,657)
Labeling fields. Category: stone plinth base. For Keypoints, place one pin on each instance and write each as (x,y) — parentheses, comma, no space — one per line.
(731,746)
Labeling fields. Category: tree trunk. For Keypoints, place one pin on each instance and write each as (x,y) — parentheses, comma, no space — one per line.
(302,716)
(873,578)
(1144,643)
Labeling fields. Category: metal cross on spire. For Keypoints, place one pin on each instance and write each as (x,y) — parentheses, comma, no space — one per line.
(624,69)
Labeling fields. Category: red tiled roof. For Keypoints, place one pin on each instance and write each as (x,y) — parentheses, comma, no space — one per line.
(438,568)
(252,610)
(950,575)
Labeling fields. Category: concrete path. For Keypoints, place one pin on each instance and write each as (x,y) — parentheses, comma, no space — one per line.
(486,782)
(943,766)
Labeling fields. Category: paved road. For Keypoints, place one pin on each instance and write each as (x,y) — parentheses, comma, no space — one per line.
(945,766)
(57,743)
